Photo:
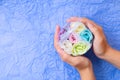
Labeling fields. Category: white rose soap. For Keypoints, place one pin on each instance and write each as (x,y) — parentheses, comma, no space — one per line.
(75,38)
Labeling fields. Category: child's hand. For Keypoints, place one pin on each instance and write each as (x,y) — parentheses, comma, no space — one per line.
(100,45)
(81,63)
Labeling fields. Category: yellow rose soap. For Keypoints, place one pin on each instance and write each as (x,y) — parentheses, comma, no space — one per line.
(75,38)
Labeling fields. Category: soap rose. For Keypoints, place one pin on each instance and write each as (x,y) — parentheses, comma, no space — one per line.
(86,35)
(77,26)
(67,46)
(73,38)
(80,48)
(62,32)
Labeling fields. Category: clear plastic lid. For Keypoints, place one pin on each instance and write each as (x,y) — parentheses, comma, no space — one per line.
(75,38)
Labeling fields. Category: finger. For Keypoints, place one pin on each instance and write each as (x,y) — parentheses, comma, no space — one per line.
(73,19)
(56,36)
(85,21)
(66,57)
(90,24)
(94,28)
(56,39)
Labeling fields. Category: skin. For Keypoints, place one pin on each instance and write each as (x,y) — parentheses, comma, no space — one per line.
(100,47)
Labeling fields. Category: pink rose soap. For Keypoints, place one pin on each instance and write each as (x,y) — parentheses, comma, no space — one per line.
(75,38)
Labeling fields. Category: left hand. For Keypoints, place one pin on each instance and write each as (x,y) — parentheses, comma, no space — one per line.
(79,62)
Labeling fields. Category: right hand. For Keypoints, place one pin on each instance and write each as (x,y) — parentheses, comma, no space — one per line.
(100,44)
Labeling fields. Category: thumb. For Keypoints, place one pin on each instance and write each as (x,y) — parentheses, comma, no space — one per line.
(93,29)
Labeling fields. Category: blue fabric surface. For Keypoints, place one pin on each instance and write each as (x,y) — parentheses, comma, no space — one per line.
(26,37)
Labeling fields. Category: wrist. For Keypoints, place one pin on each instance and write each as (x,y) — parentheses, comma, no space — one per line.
(112,56)
(87,65)
(87,69)
(87,73)
(107,52)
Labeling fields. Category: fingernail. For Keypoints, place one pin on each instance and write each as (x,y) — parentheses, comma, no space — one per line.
(90,24)
(67,20)
(57,26)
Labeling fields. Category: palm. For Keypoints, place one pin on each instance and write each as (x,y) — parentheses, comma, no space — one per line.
(78,62)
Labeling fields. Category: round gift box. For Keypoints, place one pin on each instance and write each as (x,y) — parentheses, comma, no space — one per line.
(75,38)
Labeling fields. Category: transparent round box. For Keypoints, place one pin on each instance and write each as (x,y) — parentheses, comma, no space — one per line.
(75,38)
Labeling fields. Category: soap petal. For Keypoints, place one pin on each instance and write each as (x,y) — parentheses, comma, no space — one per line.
(73,38)
(86,35)
(77,26)
(66,45)
(80,48)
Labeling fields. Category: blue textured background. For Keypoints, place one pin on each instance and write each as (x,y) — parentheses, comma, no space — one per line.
(26,37)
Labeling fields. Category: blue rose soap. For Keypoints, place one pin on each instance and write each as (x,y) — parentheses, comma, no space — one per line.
(75,38)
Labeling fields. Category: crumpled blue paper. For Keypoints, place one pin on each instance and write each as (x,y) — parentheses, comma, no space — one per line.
(26,37)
